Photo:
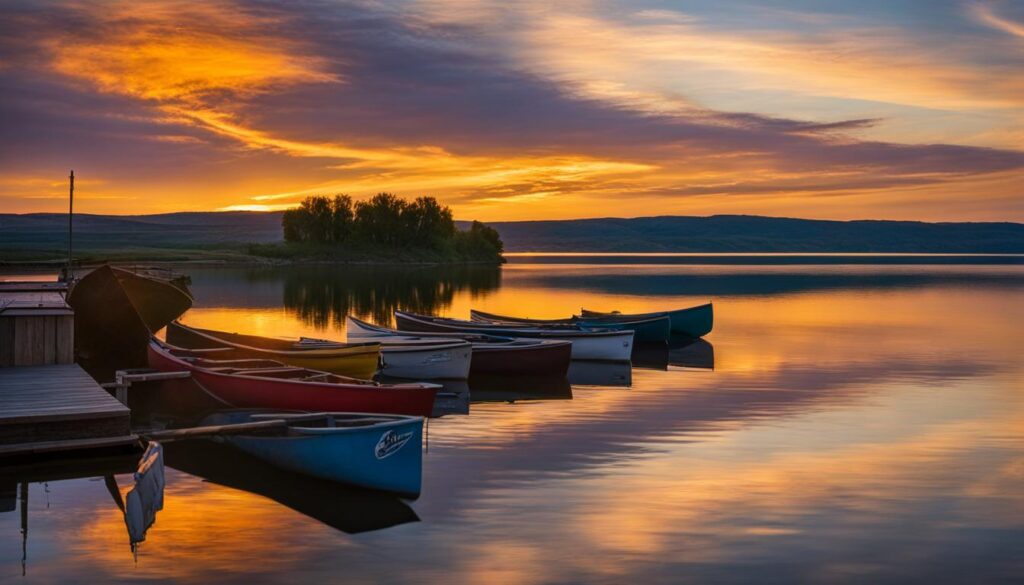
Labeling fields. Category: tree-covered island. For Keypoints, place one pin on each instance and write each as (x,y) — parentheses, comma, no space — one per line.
(384,228)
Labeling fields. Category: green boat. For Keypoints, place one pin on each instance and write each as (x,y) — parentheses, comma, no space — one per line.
(649,329)
(692,321)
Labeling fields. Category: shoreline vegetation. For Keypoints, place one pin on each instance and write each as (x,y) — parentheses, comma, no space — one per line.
(384,228)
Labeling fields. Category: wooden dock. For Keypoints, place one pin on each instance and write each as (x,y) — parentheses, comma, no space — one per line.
(58,408)
(37,326)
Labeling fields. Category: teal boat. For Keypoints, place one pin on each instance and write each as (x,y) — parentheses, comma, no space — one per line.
(647,329)
(654,330)
(376,451)
(693,321)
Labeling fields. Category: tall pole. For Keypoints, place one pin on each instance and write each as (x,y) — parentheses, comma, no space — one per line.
(71,214)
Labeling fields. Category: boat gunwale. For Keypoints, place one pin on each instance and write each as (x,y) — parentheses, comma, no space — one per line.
(355,383)
(488,343)
(357,349)
(423,348)
(457,325)
(161,279)
(579,320)
(668,314)
(317,432)
(309,432)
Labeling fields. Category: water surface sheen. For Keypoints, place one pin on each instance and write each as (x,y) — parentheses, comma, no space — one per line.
(861,424)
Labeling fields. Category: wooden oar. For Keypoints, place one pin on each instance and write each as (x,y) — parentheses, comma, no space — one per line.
(229,429)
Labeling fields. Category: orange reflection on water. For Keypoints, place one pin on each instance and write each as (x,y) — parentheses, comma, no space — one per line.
(203,530)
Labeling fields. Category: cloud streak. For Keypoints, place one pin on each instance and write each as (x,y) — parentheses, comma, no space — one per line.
(503,111)
(986,14)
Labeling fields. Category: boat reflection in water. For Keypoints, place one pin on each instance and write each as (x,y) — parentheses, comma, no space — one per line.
(346,508)
(453,398)
(680,352)
(515,388)
(585,373)
(691,353)
(457,395)
(144,496)
(139,502)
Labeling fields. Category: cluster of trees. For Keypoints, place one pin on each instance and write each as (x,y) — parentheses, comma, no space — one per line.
(390,222)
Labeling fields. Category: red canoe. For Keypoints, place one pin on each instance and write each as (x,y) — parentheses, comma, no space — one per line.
(260,383)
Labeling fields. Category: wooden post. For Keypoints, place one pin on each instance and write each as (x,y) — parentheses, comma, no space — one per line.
(71,214)
(123,380)
(121,390)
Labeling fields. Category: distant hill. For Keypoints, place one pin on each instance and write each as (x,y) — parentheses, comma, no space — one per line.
(46,232)
(100,232)
(748,233)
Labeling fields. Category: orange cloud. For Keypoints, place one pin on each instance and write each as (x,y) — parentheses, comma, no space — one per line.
(146,50)
(984,13)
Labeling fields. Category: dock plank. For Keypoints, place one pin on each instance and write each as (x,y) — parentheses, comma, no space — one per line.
(56,402)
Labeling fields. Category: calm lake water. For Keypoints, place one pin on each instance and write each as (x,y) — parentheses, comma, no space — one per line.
(846,423)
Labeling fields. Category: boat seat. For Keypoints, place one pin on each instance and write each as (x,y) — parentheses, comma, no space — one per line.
(318,376)
(274,372)
(240,363)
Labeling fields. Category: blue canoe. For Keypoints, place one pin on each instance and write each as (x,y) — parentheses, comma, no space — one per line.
(646,329)
(376,451)
(693,321)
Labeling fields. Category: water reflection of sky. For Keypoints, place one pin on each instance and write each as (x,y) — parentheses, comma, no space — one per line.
(866,432)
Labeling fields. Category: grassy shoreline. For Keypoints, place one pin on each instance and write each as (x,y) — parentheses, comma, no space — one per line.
(274,254)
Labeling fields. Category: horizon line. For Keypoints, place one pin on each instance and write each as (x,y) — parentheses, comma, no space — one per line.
(255,212)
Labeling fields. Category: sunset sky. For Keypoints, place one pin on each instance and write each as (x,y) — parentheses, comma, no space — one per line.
(890,109)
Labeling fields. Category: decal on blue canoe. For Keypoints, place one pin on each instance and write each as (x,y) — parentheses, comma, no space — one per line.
(390,442)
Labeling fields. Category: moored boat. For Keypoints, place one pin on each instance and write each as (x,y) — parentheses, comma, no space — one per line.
(450,360)
(261,383)
(596,344)
(375,451)
(694,321)
(647,329)
(491,354)
(356,360)
(116,311)
(435,359)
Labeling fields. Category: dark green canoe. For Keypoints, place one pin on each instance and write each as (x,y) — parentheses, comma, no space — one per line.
(648,329)
(692,321)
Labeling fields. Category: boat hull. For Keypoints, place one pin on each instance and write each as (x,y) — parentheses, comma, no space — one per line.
(646,331)
(116,311)
(386,456)
(354,362)
(439,362)
(541,359)
(586,345)
(250,391)
(695,321)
